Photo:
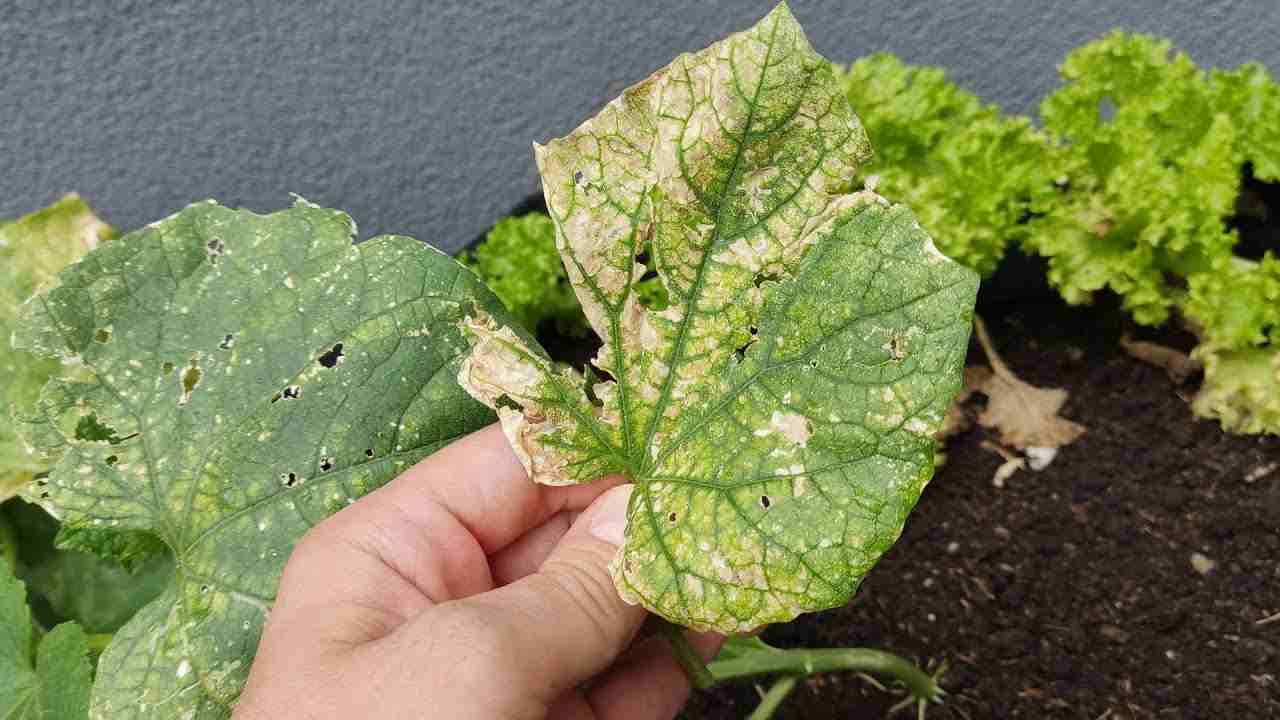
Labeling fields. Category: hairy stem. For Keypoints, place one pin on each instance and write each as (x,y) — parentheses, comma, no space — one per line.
(692,664)
(773,661)
(778,692)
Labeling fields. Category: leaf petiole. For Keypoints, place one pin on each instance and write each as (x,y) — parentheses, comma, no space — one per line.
(692,664)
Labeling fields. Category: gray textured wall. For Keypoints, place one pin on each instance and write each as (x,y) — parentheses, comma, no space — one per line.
(417,117)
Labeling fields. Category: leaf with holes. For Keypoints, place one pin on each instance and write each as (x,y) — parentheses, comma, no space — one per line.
(32,251)
(777,414)
(249,375)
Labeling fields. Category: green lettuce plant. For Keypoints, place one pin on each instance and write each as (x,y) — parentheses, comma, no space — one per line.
(1129,189)
(1153,151)
(970,173)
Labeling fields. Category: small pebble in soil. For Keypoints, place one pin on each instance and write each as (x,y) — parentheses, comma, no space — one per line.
(1202,564)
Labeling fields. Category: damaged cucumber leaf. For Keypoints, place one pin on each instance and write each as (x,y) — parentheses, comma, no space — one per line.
(49,682)
(778,415)
(253,374)
(32,251)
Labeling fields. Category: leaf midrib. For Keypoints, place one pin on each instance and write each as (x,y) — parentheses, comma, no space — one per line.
(647,462)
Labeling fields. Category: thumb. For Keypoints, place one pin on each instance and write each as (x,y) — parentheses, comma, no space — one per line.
(568,622)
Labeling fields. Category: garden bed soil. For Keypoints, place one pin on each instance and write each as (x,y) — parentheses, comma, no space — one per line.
(1070,592)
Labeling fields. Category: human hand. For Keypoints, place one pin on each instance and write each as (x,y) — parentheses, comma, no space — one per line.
(463,590)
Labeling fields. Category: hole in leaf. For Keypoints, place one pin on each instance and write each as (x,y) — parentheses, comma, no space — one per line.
(765,502)
(215,248)
(90,429)
(111,460)
(227,342)
(897,347)
(289,479)
(103,335)
(1106,110)
(293,392)
(1254,220)
(368,452)
(813,363)
(763,277)
(326,464)
(740,353)
(671,517)
(332,357)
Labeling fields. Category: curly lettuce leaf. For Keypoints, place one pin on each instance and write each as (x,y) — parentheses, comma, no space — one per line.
(1154,152)
(970,173)
(259,372)
(1155,149)
(519,263)
(1251,97)
(1241,388)
(32,251)
(48,682)
(778,415)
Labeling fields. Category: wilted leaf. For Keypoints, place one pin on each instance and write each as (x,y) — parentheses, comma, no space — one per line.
(32,251)
(259,372)
(778,415)
(1178,365)
(48,683)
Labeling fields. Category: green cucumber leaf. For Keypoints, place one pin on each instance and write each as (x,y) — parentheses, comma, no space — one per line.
(257,373)
(32,251)
(98,595)
(777,416)
(51,683)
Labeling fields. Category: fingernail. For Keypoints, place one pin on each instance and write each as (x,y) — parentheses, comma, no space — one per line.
(609,515)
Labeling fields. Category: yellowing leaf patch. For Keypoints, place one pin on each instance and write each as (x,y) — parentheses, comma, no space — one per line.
(778,414)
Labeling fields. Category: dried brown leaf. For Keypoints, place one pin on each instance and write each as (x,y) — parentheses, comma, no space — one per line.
(1024,415)
(1178,365)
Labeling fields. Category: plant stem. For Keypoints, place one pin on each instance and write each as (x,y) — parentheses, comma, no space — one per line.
(802,661)
(694,667)
(993,357)
(778,692)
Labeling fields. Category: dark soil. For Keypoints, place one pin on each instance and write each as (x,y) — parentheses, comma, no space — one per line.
(1070,593)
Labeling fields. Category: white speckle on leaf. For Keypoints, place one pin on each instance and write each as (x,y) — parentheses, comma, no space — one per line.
(792,426)
(917,426)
